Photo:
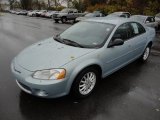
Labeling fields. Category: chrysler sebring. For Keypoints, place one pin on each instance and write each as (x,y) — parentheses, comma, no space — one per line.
(75,60)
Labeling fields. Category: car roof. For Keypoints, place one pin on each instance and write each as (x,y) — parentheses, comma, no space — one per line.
(120,12)
(111,20)
(141,18)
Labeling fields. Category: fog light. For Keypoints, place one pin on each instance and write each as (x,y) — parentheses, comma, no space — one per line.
(42,93)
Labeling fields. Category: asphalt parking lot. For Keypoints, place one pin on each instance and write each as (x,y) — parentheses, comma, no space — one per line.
(133,93)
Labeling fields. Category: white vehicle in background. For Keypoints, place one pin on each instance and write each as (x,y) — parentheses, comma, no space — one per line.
(17,12)
(49,14)
(147,20)
(13,11)
(120,14)
(32,13)
(41,13)
(22,12)
(90,15)
(157,18)
(66,15)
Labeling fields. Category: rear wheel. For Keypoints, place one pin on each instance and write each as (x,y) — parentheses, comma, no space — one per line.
(146,54)
(159,27)
(85,82)
(74,20)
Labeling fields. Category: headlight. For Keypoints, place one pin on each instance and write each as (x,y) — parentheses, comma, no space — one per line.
(52,74)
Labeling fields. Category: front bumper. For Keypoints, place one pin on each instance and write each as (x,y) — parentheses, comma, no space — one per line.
(57,18)
(40,88)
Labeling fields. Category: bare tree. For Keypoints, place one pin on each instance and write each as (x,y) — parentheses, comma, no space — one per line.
(11,3)
(26,4)
(49,4)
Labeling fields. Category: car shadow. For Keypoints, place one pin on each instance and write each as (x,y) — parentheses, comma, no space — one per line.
(109,91)
(68,22)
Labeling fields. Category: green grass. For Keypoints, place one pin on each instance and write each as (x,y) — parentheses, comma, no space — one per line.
(1,13)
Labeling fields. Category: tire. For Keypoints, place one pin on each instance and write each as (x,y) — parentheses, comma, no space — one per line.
(82,87)
(63,19)
(56,21)
(145,54)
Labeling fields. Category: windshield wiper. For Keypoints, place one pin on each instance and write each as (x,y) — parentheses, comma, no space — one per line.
(73,43)
(57,38)
(67,41)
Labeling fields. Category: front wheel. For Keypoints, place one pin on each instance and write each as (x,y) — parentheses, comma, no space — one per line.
(56,21)
(145,54)
(64,19)
(85,83)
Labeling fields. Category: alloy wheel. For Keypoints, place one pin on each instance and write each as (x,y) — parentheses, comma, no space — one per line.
(87,83)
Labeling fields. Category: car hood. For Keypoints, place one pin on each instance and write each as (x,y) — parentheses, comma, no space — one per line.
(49,54)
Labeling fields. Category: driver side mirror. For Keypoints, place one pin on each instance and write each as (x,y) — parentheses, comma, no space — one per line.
(116,42)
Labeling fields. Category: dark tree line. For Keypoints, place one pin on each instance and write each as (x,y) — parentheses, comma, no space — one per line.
(26,4)
(35,4)
(149,7)
(134,6)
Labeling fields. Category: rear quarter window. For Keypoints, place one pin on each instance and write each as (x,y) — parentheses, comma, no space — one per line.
(137,29)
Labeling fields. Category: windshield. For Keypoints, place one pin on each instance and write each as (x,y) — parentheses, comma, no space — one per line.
(88,34)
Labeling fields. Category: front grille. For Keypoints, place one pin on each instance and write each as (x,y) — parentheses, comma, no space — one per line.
(55,15)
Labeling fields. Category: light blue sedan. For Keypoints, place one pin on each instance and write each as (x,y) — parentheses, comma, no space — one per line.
(75,60)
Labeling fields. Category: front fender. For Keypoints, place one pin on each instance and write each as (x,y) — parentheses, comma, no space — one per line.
(77,68)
